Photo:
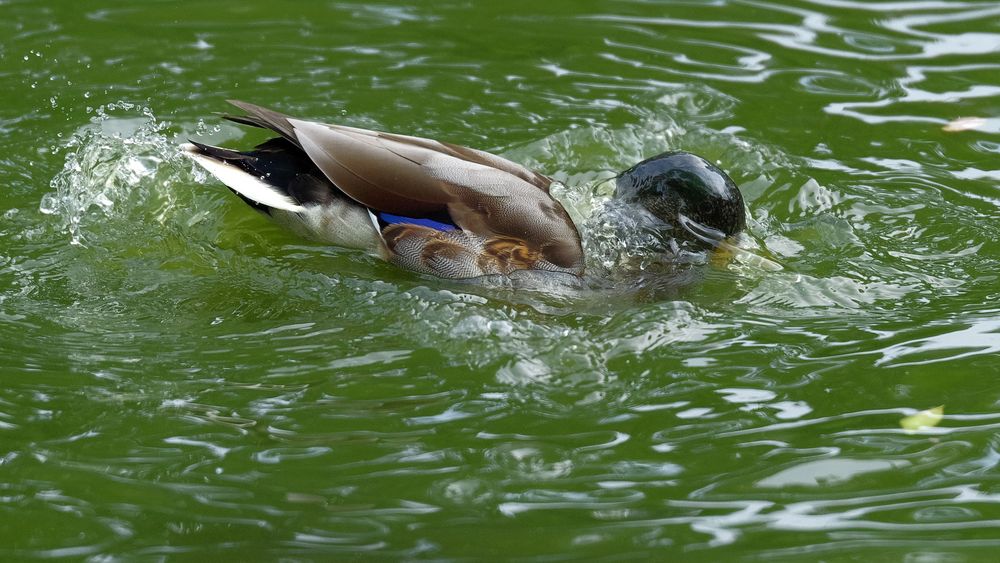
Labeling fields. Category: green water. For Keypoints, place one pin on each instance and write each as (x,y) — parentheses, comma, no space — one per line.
(182,379)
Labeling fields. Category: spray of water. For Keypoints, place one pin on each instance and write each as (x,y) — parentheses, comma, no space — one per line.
(119,164)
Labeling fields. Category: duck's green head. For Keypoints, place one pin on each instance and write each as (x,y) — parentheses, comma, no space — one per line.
(692,196)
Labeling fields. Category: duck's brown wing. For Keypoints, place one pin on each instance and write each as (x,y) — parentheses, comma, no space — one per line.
(482,193)
(279,123)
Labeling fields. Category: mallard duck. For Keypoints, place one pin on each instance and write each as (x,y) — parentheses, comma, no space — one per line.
(438,208)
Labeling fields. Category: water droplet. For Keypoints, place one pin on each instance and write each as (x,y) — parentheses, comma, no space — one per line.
(48,205)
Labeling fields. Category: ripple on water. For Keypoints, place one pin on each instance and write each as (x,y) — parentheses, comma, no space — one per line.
(395,415)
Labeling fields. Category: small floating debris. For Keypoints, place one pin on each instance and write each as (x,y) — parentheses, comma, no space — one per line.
(964,124)
(923,419)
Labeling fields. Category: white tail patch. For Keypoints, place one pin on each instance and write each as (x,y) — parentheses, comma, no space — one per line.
(245,184)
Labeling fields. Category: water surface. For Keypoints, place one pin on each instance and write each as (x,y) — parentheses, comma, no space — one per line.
(183,379)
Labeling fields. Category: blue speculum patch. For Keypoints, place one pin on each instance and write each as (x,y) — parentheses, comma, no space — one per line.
(394,219)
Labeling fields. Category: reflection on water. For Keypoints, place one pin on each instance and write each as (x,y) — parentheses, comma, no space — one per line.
(980,338)
(183,377)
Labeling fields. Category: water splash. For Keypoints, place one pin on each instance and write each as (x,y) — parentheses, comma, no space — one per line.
(118,163)
(622,241)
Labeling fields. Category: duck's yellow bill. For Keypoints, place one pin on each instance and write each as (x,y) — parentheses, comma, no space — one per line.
(728,250)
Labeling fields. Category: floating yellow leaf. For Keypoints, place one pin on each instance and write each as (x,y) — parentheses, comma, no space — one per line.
(964,124)
(923,419)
